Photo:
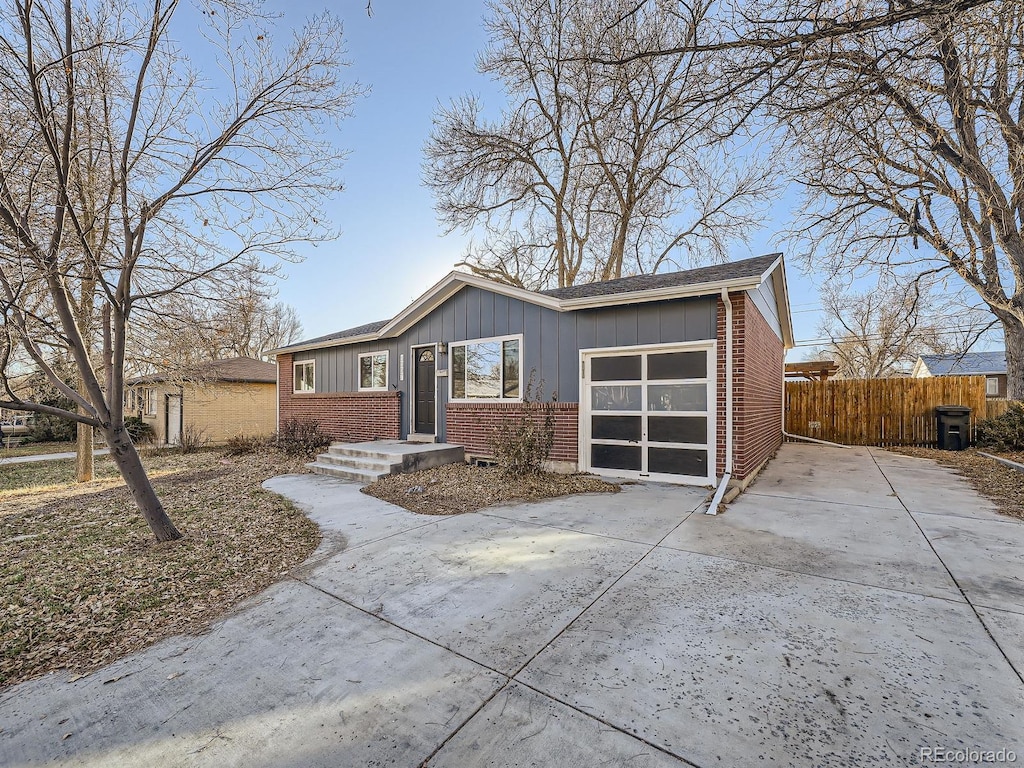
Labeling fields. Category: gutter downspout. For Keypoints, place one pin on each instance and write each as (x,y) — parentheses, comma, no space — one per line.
(727,475)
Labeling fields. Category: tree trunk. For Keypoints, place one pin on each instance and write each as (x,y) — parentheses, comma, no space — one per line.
(613,267)
(1013,333)
(83,461)
(123,452)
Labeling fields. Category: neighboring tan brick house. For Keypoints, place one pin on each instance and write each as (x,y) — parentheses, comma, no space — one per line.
(219,399)
(637,367)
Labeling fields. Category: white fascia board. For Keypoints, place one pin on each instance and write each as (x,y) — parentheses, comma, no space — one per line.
(777,271)
(451,284)
(454,281)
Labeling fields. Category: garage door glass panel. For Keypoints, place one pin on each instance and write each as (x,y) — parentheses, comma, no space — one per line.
(677,397)
(620,368)
(609,398)
(678,461)
(615,457)
(678,365)
(677,429)
(616,428)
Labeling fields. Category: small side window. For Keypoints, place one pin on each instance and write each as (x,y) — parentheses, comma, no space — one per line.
(305,376)
(373,371)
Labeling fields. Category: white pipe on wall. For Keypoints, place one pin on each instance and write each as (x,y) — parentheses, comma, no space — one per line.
(727,474)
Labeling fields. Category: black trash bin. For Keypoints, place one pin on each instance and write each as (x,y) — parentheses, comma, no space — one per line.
(953,424)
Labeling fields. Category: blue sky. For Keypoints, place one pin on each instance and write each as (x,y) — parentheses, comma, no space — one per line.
(414,56)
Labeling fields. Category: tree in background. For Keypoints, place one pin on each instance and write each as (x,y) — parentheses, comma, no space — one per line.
(905,123)
(237,318)
(592,171)
(881,332)
(48,427)
(194,175)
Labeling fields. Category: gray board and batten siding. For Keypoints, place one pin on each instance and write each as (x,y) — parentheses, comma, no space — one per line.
(552,340)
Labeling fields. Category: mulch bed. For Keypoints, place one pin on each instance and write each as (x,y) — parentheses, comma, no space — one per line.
(1003,485)
(455,488)
(82,581)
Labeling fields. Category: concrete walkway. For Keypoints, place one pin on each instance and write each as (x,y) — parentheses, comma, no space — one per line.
(49,457)
(852,608)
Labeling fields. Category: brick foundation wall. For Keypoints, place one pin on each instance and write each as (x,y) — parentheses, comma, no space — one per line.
(349,416)
(473,425)
(757,387)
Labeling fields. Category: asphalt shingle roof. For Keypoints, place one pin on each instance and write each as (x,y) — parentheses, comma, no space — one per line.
(242,369)
(348,333)
(730,271)
(969,364)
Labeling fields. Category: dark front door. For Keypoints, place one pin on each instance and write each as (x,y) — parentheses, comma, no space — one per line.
(426,392)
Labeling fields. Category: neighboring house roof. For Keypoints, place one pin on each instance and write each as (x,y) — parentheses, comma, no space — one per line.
(741,275)
(235,369)
(967,364)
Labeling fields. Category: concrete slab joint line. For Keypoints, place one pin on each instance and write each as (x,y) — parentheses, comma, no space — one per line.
(1018,671)
(823,621)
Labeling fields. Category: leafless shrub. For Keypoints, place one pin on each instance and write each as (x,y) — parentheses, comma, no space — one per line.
(301,438)
(192,439)
(523,442)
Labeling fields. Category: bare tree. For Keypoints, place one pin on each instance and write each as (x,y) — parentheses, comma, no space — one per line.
(190,174)
(913,136)
(592,171)
(906,120)
(882,331)
(230,318)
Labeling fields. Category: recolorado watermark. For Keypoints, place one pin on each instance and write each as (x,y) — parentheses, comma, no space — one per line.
(967,755)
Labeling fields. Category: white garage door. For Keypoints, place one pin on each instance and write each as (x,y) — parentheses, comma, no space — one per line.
(649,412)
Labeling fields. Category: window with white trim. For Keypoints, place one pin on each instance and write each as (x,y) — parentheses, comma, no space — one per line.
(992,386)
(149,401)
(305,376)
(486,369)
(373,371)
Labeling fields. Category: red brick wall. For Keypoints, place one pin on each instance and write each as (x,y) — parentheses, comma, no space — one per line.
(473,425)
(759,394)
(349,416)
(757,387)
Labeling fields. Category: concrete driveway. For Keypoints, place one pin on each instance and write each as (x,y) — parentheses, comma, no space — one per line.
(852,608)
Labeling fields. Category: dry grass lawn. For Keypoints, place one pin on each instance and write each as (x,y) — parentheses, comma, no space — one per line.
(82,582)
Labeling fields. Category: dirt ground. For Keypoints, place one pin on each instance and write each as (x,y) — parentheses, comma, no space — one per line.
(455,488)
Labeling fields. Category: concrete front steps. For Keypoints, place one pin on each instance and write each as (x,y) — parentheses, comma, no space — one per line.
(365,462)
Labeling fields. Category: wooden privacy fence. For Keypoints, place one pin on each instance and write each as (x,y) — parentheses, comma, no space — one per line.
(879,412)
(996,406)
